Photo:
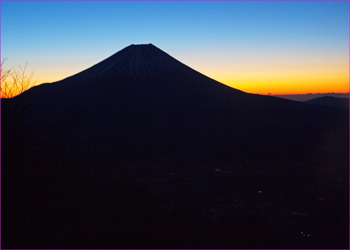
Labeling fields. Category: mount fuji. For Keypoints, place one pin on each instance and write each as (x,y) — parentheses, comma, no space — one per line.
(142,97)
(141,151)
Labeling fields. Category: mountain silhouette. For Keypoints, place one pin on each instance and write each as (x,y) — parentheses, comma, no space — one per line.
(142,96)
(135,68)
(141,151)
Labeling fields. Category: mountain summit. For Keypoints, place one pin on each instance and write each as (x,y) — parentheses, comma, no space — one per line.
(136,61)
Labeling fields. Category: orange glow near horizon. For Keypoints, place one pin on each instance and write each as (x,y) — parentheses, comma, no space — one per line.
(273,77)
(270,86)
(280,77)
(265,85)
(291,86)
(287,83)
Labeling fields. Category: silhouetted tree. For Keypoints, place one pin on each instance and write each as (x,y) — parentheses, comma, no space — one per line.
(15,81)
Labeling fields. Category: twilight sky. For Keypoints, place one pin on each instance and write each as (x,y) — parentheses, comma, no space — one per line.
(257,47)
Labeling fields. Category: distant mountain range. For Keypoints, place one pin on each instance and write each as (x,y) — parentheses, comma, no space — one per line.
(330,101)
(307,97)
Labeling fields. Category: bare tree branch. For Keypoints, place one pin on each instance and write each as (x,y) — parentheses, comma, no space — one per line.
(15,82)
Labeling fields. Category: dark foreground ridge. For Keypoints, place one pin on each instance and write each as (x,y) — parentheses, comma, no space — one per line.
(141,151)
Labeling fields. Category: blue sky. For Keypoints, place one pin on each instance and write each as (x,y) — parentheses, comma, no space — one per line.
(242,44)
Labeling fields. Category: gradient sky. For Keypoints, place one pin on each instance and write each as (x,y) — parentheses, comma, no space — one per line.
(257,47)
